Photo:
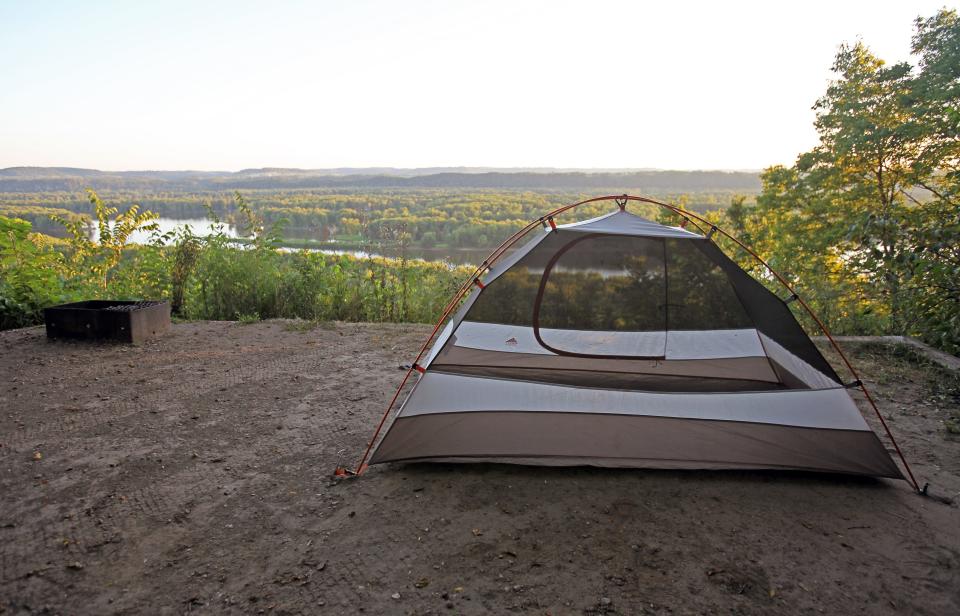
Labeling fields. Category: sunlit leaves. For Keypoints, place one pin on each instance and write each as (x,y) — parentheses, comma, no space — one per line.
(867,224)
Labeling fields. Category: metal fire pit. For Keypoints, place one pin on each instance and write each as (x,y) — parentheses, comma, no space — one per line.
(103,319)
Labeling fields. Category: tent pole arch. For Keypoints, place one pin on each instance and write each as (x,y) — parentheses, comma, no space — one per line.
(621,200)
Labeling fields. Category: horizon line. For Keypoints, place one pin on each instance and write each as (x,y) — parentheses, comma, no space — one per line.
(375,168)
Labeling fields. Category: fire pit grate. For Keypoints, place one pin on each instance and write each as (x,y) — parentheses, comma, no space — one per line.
(123,321)
(132,306)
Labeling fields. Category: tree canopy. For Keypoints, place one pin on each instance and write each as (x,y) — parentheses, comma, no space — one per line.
(867,221)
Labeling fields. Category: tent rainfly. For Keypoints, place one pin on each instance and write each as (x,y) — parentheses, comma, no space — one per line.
(621,342)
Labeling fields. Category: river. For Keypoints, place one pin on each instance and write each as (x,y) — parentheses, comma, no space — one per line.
(201,227)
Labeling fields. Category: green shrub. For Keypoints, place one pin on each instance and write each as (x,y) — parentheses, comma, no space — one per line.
(29,279)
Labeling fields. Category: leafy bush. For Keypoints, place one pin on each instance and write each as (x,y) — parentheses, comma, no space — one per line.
(91,263)
(212,277)
(29,279)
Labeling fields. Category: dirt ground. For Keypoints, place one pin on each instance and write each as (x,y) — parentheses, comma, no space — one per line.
(191,475)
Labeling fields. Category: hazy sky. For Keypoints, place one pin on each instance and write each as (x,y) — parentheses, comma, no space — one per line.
(228,85)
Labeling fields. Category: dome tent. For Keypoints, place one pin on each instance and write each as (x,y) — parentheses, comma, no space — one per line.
(621,342)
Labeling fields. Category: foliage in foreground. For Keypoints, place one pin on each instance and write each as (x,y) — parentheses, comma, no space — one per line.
(28,274)
(211,277)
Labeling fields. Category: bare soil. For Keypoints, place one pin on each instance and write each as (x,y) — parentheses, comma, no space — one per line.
(192,475)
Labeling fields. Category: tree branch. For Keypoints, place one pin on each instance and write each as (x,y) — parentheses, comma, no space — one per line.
(938,194)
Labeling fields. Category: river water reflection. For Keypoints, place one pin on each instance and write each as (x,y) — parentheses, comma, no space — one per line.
(201,227)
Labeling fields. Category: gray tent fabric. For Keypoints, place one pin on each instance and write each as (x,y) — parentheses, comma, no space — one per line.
(621,342)
(625,223)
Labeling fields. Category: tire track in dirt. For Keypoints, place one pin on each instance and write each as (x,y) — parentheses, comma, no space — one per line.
(93,417)
(328,413)
(160,498)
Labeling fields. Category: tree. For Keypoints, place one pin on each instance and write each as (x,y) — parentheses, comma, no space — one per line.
(867,221)
(863,166)
(934,103)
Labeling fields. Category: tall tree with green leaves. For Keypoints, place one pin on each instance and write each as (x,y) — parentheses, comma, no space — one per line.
(863,166)
(934,103)
(867,221)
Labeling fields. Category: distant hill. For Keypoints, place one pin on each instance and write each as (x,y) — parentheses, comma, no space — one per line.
(56,179)
(47,172)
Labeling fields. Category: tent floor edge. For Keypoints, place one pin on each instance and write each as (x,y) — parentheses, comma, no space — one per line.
(636,464)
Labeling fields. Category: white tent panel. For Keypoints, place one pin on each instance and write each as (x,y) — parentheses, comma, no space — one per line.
(824,408)
(713,344)
(799,368)
(676,344)
(438,343)
(497,337)
(621,344)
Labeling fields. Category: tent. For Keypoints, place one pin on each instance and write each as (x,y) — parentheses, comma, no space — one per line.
(621,342)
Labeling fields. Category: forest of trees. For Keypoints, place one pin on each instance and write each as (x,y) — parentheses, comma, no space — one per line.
(866,225)
(428,217)
(65,179)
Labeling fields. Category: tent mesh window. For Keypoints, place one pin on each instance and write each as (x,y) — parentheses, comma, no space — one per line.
(700,295)
(615,284)
(605,283)
(663,303)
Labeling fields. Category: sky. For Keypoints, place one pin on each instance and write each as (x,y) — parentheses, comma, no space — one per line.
(212,85)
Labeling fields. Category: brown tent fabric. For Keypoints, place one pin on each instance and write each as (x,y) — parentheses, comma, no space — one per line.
(621,342)
(641,442)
